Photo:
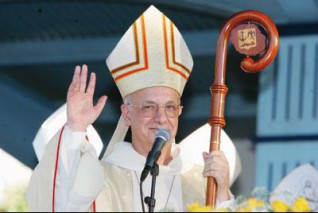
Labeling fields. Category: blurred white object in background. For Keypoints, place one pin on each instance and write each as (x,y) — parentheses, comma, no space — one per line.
(12,173)
(300,182)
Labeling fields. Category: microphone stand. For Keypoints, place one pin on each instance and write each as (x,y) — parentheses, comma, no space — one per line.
(151,201)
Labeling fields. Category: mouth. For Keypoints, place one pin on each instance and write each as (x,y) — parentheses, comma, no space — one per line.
(154,130)
(157,128)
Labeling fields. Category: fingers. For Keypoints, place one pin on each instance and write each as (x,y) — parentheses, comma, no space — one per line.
(205,156)
(100,104)
(217,171)
(214,154)
(215,164)
(79,85)
(83,78)
(79,80)
(91,84)
(75,79)
(77,73)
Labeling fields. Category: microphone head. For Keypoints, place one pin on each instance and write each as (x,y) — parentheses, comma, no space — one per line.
(164,134)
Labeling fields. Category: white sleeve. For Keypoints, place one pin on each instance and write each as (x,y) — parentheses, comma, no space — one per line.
(80,175)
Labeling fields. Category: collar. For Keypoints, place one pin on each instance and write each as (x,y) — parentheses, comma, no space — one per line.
(124,155)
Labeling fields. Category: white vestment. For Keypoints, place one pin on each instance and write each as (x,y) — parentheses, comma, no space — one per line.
(71,176)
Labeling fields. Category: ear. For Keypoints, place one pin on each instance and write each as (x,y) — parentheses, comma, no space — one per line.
(126,114)
(180,111)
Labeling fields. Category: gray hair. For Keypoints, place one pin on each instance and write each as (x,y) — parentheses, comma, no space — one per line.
(127,101)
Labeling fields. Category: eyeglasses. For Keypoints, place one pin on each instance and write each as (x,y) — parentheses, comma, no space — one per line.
(151,109)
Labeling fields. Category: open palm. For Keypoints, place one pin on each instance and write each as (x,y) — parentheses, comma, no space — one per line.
(81,111)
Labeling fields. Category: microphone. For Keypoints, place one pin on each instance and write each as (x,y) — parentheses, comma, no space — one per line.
(161,137)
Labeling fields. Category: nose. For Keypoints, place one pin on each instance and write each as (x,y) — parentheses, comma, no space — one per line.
(161,115)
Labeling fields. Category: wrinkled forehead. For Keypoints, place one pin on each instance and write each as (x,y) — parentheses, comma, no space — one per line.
(156,94)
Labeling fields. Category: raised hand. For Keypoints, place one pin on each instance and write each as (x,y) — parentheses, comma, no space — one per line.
(81,111)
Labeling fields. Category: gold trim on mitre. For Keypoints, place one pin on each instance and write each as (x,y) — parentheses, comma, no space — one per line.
(152,52)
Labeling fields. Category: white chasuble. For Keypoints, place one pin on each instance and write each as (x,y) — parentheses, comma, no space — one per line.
(112,185)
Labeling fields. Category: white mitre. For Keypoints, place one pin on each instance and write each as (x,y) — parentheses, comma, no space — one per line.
(151,53)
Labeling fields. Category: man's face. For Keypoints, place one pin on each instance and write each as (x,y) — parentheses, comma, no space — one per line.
(141,115)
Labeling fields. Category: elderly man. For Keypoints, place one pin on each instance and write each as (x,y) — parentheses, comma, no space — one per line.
(150,66)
